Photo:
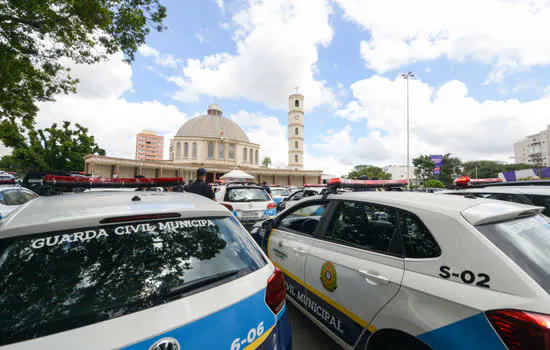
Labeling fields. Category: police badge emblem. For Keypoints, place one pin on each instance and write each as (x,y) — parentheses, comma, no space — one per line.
(329,277)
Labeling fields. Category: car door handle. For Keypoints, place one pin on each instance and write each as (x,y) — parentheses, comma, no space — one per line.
(374,278)
(299,251)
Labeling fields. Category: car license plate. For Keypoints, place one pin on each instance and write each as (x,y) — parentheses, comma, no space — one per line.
(250,214)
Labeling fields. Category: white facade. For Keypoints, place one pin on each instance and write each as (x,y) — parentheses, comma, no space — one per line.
(399,172)
(537,143)
(215,140)
(296,131)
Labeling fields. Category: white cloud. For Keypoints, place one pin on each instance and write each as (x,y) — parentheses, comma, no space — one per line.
(165,60)
(113,121)
(276,49)
(507,33)
(200,37)
(220,5)
(268,133)
(442,120)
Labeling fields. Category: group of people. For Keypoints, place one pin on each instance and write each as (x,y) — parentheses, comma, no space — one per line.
(201,187)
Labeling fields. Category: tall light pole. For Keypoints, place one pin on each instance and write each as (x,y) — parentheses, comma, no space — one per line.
(408,76)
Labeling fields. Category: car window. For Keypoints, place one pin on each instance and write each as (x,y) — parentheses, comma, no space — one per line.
(304,219)
(363,225)
(297,196)
(27,196)
(526,241)
(417,239)
(541,201)
(57,281)
(12,197)
(246,195)
(505,197)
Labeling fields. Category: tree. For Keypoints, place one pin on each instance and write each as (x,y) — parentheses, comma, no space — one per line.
(536,162)
(490,168)
(433,184)
(266,162)
(53,149)
(450,167)
(370,170)
(39,38)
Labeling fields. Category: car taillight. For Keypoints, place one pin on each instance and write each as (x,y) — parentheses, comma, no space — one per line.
(271,206)
(521,330)
(228,206)
(275,292)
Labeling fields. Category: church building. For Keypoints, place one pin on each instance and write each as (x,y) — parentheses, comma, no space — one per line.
(218,144)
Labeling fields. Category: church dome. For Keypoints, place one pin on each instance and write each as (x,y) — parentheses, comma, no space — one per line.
(211,125)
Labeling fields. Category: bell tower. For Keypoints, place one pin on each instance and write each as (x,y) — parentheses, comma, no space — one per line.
(296,131)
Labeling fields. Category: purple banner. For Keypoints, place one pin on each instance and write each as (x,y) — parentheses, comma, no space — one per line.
(437,159)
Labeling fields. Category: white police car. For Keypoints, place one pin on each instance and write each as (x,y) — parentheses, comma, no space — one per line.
(279,193)
(397,270)
(249,202)
(135,270)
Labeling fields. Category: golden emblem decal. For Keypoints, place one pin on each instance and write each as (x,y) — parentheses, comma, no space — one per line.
(329,277)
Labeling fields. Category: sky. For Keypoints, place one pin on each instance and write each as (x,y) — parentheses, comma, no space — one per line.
(481,78)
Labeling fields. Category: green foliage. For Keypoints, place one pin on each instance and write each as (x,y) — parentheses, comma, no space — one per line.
(537,162)
(53,149)
(266,162)
(490,168)
(370,170)
(38,38)
(433,184)
(424,168)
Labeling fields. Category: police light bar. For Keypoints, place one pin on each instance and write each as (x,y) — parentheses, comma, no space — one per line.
(344,183)
(7,182)
(315,185)
(94,182)
(465,181)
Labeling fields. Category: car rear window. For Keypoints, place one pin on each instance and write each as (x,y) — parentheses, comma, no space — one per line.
(246,195)
(527,242)
(542,201)
(280,192)
(57,281)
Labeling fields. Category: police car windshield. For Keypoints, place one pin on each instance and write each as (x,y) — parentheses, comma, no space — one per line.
(57,281)
(280,192)
(246,195)
(527,242)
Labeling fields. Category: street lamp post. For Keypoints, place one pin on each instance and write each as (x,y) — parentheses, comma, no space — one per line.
(407,76)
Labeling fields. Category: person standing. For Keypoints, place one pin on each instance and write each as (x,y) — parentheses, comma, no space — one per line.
(267,189)
(199,186)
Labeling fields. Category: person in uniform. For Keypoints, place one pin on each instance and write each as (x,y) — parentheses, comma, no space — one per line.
(199,186)
(266,188)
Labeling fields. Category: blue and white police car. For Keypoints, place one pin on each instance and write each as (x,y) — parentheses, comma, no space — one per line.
(135,270)
(402,270)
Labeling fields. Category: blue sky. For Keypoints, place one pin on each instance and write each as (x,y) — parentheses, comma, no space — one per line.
(481,76)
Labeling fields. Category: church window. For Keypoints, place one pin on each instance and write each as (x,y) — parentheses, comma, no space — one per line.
(296,144)
(231,152)
(251,157)
(221,151)
(245,155)
(178,150)
(296,158)
(257,158)
(186,150)
(194,153)
(296,131)
(210,150)
(297,103)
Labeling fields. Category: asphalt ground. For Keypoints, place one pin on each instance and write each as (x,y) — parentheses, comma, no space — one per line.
(305,334)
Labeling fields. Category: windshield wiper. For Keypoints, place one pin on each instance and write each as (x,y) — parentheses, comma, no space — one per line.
(169,292)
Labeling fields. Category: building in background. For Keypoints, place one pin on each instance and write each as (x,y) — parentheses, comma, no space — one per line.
(149,146)
(218,144)
(537,143)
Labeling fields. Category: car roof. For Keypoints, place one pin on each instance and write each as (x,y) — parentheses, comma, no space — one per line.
(476,210)
(510,189)
(87,209)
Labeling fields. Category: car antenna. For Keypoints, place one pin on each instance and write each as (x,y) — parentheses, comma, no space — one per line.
(136,199)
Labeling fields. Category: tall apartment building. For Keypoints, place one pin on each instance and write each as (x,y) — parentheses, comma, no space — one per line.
(537,143)
(149,146)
